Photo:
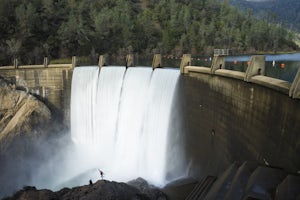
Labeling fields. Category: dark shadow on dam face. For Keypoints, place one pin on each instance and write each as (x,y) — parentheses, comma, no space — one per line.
(226,120)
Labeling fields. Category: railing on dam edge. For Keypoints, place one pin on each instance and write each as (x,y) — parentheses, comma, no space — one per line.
(44,65)
(255,72)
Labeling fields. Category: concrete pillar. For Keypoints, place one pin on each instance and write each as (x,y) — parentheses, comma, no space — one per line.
(74,61)
(156,61)
(46,62)
(217,63)
(102,61)
(129,60)
(185,61)
(256,67)
(43,92)
(295,88)
(16,63)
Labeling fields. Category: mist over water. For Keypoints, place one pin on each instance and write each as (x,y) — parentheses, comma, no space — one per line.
(119,123)
(123,122)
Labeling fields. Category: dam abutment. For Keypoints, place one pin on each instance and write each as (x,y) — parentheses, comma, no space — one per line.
(51,83)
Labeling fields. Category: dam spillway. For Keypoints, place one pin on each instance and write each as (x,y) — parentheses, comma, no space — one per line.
(120,119)
(222,119)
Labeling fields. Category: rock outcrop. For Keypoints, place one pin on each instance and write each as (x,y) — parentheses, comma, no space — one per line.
(20,113)
(100,190)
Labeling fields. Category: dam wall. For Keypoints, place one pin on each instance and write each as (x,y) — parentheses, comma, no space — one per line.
(227,120)
(227,117)
(224,116)
(51,84)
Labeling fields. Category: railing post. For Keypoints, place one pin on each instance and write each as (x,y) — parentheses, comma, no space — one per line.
(156,62)
(185,61)
(256,67)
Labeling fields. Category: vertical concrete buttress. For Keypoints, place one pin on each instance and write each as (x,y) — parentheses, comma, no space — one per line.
(156,61)
(295,88)
(129,60)
(256,67)
(217,63)
(74,61)
(185,61)
(102,61)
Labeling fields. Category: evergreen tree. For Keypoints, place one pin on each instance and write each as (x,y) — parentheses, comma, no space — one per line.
(57,28)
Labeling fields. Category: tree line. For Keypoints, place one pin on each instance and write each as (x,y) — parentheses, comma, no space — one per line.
(32,29)
(283,11)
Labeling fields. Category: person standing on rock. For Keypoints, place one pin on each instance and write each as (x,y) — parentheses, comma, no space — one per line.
(101,174)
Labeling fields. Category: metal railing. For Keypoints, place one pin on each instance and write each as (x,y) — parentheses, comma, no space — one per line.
(221,52)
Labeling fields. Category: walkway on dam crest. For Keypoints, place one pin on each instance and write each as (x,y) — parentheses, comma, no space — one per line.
(255,73)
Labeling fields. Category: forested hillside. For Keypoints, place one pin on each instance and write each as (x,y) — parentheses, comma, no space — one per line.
(32,29)
(282,11)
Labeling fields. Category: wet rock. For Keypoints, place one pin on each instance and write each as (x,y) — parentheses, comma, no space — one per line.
(100,190)
(151,191)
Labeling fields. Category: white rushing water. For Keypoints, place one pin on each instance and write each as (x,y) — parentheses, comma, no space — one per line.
(120,120)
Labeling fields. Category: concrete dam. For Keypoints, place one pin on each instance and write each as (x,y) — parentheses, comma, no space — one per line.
(223,117)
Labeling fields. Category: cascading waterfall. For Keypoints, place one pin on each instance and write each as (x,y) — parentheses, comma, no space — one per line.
(120,119)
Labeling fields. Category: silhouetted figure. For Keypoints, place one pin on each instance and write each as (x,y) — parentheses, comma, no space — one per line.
(91,182)
(101,174)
